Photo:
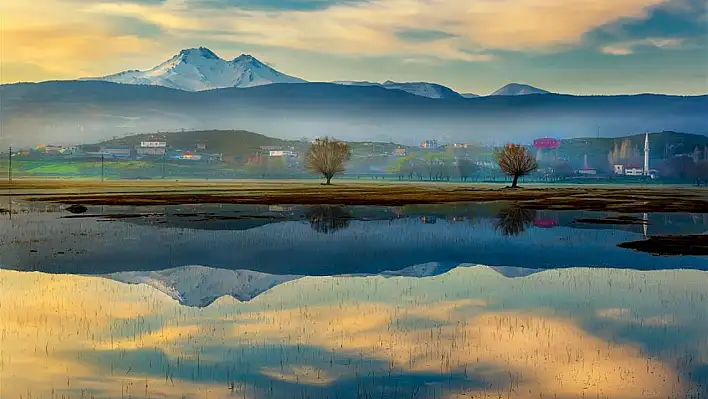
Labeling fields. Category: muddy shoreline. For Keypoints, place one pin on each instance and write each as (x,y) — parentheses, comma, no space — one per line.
(602,198)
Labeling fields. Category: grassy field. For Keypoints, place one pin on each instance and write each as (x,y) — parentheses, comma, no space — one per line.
(587,197)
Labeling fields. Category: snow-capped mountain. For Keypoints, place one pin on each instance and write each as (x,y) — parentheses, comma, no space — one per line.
(423,89)
(518,89)
(200,286)
(199,69)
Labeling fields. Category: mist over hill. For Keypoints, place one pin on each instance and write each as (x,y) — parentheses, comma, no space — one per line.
(90,111)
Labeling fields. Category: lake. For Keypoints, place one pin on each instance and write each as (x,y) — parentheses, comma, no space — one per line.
(435,301)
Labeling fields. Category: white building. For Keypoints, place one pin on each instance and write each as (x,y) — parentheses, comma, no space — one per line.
(633,171)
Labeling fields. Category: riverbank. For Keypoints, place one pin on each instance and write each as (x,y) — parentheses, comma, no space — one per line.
(307,192)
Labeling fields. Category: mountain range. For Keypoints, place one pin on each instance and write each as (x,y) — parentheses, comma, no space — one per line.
(200,286)
(199,69)
(196,89)
(67,112)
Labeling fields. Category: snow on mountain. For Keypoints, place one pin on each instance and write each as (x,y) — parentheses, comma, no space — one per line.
(199,69)
(423,89)
(200,286)
(517,89)
(423,270)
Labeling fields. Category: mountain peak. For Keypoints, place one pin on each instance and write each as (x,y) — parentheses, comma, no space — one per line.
(202,52)
(244,57)
(196,69)
(518,89)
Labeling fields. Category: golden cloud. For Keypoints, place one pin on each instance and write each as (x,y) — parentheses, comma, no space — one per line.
(369,28)
(70,38)
(50,322)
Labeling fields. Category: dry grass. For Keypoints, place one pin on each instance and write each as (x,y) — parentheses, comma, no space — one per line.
(559,197)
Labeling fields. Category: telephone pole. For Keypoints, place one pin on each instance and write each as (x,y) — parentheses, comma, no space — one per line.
(9,168)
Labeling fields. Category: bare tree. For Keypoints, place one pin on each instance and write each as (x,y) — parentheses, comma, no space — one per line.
(516,161)
(327,157)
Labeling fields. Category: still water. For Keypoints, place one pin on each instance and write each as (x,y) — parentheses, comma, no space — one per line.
(212,301)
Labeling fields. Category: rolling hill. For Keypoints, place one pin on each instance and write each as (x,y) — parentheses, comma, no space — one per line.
(89,111)
(227,142)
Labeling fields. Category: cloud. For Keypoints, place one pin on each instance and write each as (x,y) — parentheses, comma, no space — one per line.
(422,35)
(627,48)
(65,50)
(73,38)
(450,29)
(277,5)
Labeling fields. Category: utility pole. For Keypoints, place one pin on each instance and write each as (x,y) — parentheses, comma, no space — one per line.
(9,168)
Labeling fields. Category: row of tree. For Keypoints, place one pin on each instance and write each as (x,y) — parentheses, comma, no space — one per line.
(434,167)
(328,157)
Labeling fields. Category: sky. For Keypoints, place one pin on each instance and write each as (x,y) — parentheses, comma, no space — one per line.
(472,46)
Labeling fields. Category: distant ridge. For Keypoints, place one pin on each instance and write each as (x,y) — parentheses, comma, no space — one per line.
(90,111)
(518,89)
(423,89)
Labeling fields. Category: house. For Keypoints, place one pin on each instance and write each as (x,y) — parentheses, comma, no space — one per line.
(634,170)
(190,156)
(399,152)
(121,153)
(282,153)
(152,151)
(619,169)
(429,144)
(51,149)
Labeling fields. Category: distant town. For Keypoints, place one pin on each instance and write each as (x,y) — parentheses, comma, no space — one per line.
(665,156)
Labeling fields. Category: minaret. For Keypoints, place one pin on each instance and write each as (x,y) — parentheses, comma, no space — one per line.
(646,154)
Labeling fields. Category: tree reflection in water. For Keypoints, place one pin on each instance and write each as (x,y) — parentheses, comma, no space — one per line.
(327,219)
(514,220)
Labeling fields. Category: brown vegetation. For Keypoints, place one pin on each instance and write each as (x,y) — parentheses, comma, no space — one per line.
(516,161)
(600,198)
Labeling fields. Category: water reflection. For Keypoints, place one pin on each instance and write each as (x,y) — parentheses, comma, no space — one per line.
(471,332)
(514,220)
(301,240)
(327,219)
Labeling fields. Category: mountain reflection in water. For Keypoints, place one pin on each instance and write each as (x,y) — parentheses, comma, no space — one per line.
(470,332)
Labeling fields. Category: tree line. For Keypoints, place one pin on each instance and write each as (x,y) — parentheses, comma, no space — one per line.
(328,157)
